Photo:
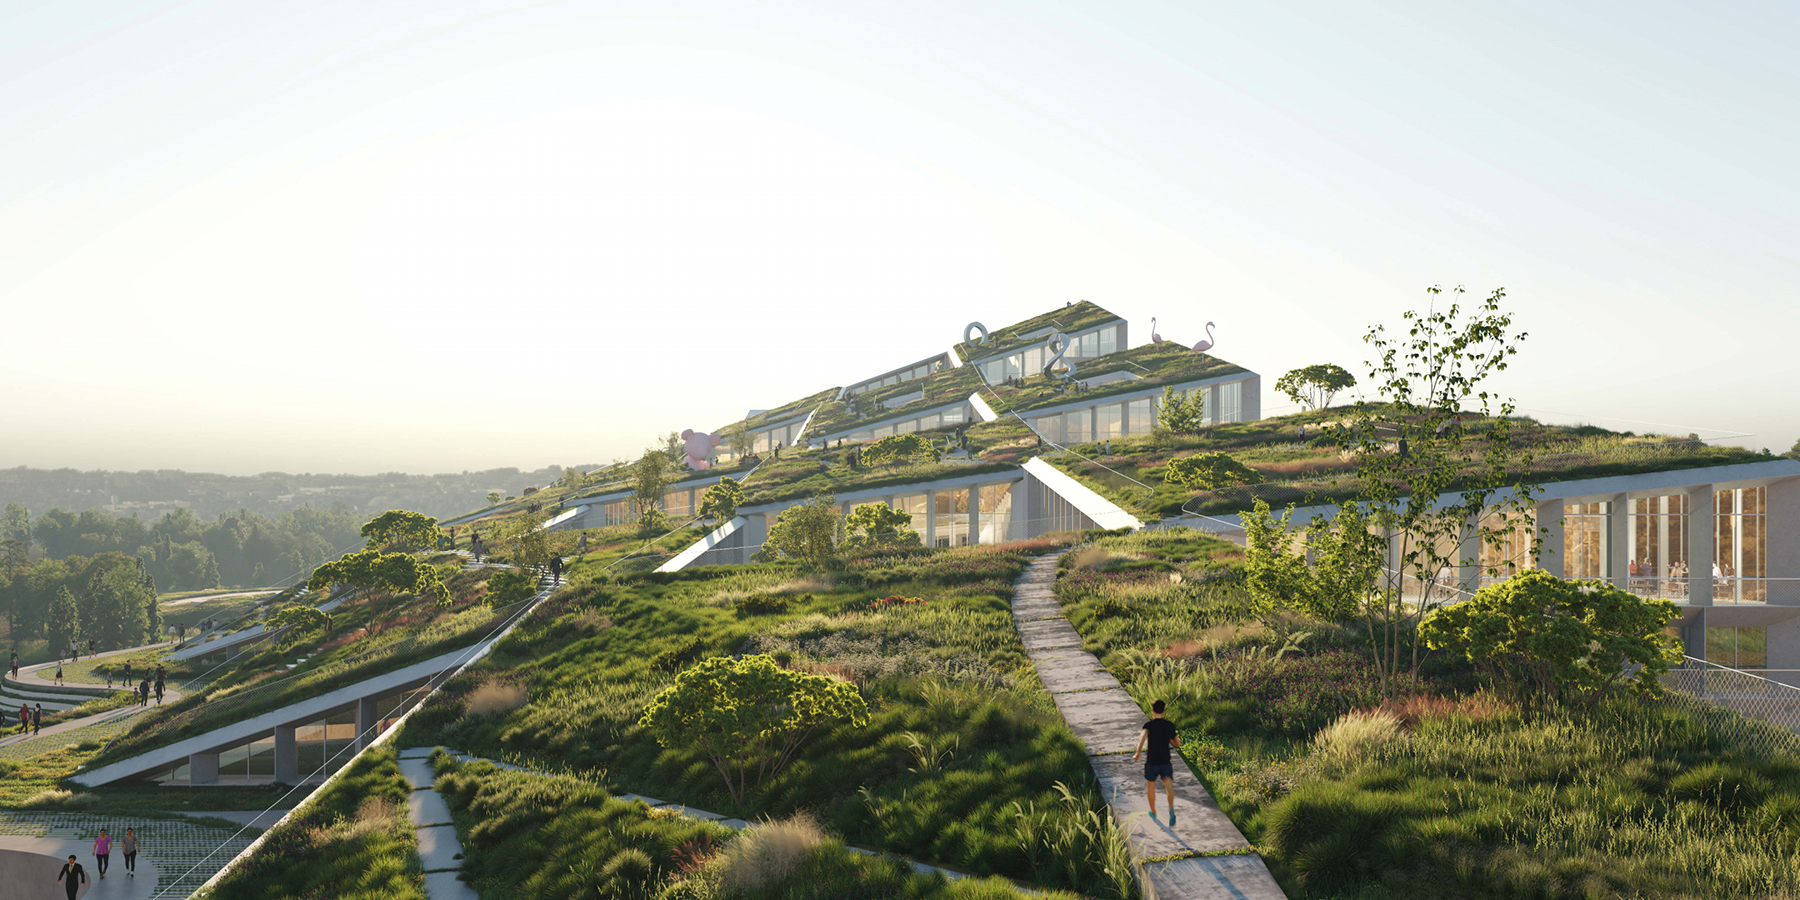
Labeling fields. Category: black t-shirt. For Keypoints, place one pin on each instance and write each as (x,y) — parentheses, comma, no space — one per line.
(1161,731)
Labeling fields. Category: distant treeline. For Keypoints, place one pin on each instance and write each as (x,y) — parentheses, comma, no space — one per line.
(149,494)
(180,552)
(109,599)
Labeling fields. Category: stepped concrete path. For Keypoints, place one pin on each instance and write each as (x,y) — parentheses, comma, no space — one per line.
(440,853)
(1201,857)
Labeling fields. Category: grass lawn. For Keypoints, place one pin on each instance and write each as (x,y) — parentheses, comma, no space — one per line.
(351,839)
(1453,793)
(963,751)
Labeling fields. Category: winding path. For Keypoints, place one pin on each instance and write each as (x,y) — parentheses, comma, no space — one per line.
(1202,857)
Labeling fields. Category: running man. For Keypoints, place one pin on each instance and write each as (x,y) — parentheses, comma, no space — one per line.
(76,875)
(1159,735)
(102,853)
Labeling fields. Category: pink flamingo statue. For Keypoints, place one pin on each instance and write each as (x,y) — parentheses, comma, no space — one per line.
(1154,337)
(1207,344)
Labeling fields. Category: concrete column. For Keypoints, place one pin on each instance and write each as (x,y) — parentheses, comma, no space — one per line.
(974,514)
(1696,636)
(1212,404)
(1550,529)
(931,518)
(365,722)
(1782,556)
(287,755)
(1468,549)
(1700,520)
(1253,398)
(203,768)
(1618,540)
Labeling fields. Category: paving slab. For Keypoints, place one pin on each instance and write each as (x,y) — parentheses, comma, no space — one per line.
(1066,677)
(1241,876)
(445,886)
(1104,721)
(1036,608)
(648,801)
(439,849)
(427,808)
(417,752)
(693,813)
(417,773)
(1048,634)
(1200,826)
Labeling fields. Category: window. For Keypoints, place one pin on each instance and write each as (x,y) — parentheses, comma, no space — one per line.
(1738,648)
(1740,546)
(1078,426)
(1109,340)
(1051,427)
(1109,422)
(1138,418)
(926,423)
(1090,346)
(951,509)
(618,512)
(953,416)
(906,427)
(1657,543)
(915,505)
(1584,540)
(1033,361)
(996,513)
(677,503)
(1231,402)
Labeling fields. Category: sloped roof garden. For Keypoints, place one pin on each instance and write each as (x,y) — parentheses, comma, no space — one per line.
(1019,335)
(940,388)
(1312,470)
(1156,365)
(791,410)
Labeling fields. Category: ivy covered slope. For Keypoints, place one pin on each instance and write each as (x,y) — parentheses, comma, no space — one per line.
(1503,779)
(960,760)
(1311,468)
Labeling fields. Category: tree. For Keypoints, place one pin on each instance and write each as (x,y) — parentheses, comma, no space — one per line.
(117,605)
(510,586)
(305,618)
(55,532)
(494,498)
(571,477)
(649,479)
(1314,386)
(1211,472)
(15,524)
(1425,473)
(1181,412)
(400,529)
(1276,577)
(1542,636)
(382,574)
(1794,453)
(881,524)
(906,448)
(63,620)
(673,447)
(807,531)
(15,554)
(741,713)
(531,546)
(737,436)
(720,502)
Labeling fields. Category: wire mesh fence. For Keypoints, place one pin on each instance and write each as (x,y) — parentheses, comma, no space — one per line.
(1767,702)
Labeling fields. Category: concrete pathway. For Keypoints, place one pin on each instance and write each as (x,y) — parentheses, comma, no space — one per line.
(440,853)
(211,597)
(1201,857)
(176,855)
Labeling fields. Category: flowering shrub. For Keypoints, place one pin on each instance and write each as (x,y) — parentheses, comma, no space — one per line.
(887,602)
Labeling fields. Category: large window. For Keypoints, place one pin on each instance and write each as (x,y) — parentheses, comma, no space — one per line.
(1739,648)
(952,512)
(1658,550)
(1231,402)
(1139,417)
(1584,540)
(996,513)
(1078,426)
(678,503)
(1740,545)
(914,504)
(1109,421)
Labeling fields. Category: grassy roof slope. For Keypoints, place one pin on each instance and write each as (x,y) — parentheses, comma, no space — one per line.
(1014,337)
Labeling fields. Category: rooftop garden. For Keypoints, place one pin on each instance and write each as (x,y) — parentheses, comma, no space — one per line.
(791,410)
(1311,468)
(865,410)
(1154,365)
(961,759)
(1455,783)
(1078,316)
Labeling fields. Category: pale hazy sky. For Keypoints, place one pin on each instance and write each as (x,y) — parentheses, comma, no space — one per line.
(438,236)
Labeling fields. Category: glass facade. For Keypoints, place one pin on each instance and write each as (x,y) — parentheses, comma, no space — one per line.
(1584,540)
(915,505)
(1740,545)
(1030,361)
(678,503)
(918,371)
(1231,403)
(942,418)
(995,520)
(1738,648)
(951,515)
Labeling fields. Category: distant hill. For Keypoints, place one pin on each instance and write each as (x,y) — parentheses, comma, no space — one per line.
(150,494)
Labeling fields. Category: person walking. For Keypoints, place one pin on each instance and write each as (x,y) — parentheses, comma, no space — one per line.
(128,671)
(102,853)
(144,692)
(24,718)
(1158,736)
(59,673)
(159,690)
(128,846)
(37,720)
(72,877)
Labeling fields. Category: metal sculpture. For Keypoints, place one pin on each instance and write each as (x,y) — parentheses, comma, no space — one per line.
(1058,343)
(1207,344)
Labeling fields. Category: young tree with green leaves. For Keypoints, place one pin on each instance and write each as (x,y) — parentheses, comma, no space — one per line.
(1180,412)
(399,529)
(382,575)
(510,586)
(494,498)
(1540,636)
(306,617)
(63,619)
(738,438)
(650,477)
(15,555)
(749,716)
(1432,457)
(720,502)
(880,525)
(1314,386)
(1210,472)
(807,531)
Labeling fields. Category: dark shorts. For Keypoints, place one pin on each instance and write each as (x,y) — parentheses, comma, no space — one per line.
(1153,771)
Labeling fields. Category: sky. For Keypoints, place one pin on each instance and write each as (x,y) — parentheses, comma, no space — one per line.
(444,236)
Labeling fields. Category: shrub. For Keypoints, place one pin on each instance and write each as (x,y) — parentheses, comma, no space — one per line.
(761,605)
(1358,735)
(57,798)
(768,853)
(1111,609)
(1210,472)
(686,649)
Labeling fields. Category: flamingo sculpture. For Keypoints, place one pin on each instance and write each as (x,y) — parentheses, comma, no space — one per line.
(1207,344)
(1154,337)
